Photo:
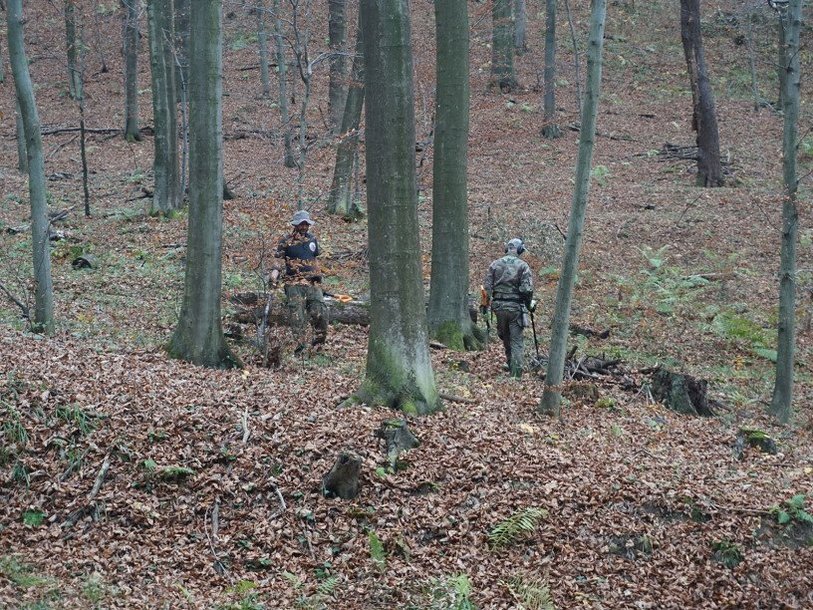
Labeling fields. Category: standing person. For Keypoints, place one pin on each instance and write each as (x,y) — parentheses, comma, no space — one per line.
(303,277)
(509,288)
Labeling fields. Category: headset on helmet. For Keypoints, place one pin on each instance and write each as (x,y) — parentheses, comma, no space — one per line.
(517,243)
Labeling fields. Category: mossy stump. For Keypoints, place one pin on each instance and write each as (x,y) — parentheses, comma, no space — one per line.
(342,481)
(682,393)
(398,437)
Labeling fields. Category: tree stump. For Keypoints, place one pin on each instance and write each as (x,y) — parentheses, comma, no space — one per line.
(751,437)
(343,479)
(681,393)
(398,438)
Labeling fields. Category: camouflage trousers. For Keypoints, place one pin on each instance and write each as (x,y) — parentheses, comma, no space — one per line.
(510,329)
(307,300)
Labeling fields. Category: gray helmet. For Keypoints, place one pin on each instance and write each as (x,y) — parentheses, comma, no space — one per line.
(300,217)
(515,244)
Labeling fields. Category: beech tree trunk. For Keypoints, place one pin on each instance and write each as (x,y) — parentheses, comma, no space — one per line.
(341,198)
(552,397)
(781,402)
(199,337)
(520,26)
(262,41)
(22,155)
(399,371)
(550,129)
(704,116)
(337,36)
(73,50)
(282,71)
(43,288)
(181,41)
(448,315)
(130,50)
(502,46)
(166,167)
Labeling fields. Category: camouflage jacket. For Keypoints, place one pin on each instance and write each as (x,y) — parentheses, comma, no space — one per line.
(508,283)
(299,253)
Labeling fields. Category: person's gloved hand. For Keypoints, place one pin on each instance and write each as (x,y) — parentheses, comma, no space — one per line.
(532,306)
(527,299)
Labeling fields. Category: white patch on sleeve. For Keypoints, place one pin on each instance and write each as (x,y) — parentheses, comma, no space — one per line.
(312,246)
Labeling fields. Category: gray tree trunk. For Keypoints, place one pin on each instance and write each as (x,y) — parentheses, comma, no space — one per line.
(502,49)
(782,399)
(552,397)
(132,132)
(341,199)
(22,154)
(399,370)
(781,70)
(448,315)
(337,36)
(282,71)
(181,35)
(550,129)
(167,193)
(704,116)
(520,26)
(2,66)
(198,337)
(43,288)
(73,46)
(262,40)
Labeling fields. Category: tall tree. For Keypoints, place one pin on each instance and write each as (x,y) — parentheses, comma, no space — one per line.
(262,41)
(341,199)
(337,41)
(19,130)
(704,116)
(199,337)
(167,193)
(43,287)
(551,396)
(181,30)
(132,132)
(520,26)
(448,315)
(282,73)
(399,370)
(74,50)
(502,45)
(550,129)
(783,386)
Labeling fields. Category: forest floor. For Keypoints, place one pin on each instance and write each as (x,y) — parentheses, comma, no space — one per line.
(133,481)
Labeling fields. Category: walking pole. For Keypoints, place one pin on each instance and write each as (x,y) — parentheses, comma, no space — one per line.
(533,328)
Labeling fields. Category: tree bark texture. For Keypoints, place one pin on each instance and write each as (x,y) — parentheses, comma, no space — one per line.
(399,371)
(448,316)
(337,37)
(198,337)
(166,165)
(502,46)
(262,41)
(782,399)
(43,287)
(704,116)
(282,71)
(73,46)
(550,129)
(341,198)
(180,44)
(520,26)
(552,397)
(19,129)
(130,50)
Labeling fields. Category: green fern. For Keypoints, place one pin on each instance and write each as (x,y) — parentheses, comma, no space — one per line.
(327,586)
(531,593)
(524,521)
(377,551)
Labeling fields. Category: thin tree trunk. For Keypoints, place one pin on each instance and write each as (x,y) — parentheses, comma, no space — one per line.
(166,196)
(399,370)
(781,69)
(132,132)
(520,26)
(301,41)
(782,400)
(576,59)
(83,154)
(502,40)
(752,63)
(337,36)
(2,67)
(22,155)
(341,200)
(552,397)
(73,49)
(198,337)
(704,117)
(282,71)
(181,36)
(262,40)
(43,287)
(448,315)
(550,129)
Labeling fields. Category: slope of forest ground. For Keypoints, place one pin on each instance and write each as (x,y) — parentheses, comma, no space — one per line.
(133,481)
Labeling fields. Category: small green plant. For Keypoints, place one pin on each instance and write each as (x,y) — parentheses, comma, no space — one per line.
(451,593)
(521,523)
(14,431)
(33,517)
(174,473)
(736,327)
(246,597)
(377,552)
(727,553)
(793,510)
(20,574)
(600,173)
(531,593)
(75,415)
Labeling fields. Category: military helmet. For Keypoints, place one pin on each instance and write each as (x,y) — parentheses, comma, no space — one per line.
(300,217)
(515,244)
